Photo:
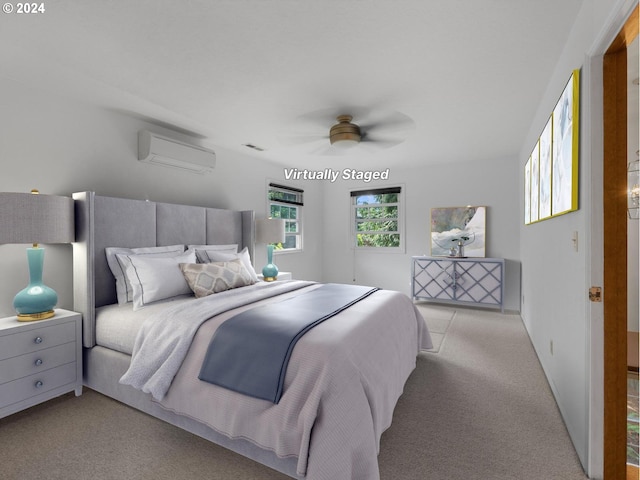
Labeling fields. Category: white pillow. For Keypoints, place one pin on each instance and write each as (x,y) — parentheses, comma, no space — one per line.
(200,249)
(156,278)
(209,256)
(123,287)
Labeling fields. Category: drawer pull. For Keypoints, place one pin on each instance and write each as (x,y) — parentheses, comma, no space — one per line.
(39,384)
(38,362)
(37,340)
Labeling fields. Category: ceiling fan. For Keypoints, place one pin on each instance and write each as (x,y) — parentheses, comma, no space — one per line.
(340,131)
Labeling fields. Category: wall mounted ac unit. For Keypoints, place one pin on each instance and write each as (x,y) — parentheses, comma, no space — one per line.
(160,150)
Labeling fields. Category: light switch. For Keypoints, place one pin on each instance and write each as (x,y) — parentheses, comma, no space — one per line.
(574,240)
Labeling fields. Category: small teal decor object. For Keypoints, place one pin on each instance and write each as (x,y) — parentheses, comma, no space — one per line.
(33,218)
(270,270)
(36,301)
(270,231)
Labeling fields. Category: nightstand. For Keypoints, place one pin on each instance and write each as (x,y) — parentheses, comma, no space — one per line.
(39,360)
(281,276)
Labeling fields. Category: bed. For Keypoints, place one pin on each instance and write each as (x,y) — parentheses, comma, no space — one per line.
(343,379)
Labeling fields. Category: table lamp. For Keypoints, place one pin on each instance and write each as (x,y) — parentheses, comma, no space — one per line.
(34,218)
(270,231)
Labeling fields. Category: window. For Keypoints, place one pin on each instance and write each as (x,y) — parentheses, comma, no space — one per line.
(286,203)
(377,219)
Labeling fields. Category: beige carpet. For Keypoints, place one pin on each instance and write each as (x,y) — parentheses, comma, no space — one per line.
(438,318)
(479,409)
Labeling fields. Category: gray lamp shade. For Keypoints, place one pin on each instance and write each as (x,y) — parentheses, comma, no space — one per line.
(270,230)
(36,218)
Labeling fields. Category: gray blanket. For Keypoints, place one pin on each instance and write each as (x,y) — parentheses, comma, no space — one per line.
(249,353)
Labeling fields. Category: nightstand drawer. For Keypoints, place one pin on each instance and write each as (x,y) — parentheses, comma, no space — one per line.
(36,362)
(35,339)
(27,387)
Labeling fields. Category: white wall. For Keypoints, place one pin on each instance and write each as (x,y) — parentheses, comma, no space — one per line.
(491,183)
(555,277)
(60,146)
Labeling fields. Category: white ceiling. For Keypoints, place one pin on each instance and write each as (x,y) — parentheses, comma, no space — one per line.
(469,73)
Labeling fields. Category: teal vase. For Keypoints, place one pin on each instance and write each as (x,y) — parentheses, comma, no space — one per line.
(36,301)
(269,271)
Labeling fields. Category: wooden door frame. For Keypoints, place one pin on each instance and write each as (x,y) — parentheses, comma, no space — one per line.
(615,250)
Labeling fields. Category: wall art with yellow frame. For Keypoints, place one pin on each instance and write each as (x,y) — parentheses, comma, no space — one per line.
(551,171)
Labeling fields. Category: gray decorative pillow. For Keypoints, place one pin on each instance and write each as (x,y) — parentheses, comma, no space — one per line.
(202,249)
(207,278)
(206,256)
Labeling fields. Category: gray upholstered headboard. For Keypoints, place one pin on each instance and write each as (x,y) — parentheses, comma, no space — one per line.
(117,222)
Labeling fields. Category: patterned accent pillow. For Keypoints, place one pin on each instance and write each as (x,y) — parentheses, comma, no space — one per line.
(207,278)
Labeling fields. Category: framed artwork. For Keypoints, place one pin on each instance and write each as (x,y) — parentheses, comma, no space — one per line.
(527,192)
(551,172)
(565,149)
(449,225)
(535,182)
(544,197)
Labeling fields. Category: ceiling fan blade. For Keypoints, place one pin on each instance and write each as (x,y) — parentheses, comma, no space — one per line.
(379,130)
(324,118)
(391,122)
(326,150)
(309,127)
(380,144)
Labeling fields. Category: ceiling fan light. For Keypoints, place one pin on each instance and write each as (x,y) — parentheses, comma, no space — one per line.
(345,140)
(344,134)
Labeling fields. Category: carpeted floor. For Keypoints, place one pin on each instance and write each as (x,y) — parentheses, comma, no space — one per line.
(476,407)
(439,319)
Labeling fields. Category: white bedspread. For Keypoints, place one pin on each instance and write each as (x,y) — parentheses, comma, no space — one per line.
(164,338)
(342,384)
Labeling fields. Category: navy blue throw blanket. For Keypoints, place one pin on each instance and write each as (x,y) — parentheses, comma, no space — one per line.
(249,353)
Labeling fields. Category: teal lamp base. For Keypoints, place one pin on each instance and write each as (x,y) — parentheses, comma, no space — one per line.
(269,271)
(36,301)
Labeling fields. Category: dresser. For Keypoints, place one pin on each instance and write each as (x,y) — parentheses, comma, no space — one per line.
(466,281)
(39,360)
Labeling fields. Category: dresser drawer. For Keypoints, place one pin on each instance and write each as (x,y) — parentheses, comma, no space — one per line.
(36,362)
(469,281)
(27,341)
(27,387)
